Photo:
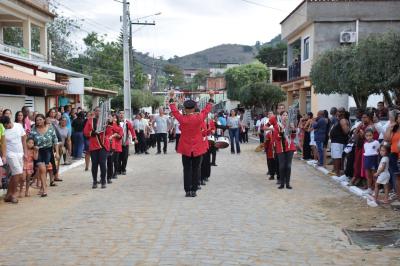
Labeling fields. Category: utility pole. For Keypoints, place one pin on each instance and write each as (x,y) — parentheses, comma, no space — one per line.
(127,78)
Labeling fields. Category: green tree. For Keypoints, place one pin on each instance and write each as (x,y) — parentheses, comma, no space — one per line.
(174,74)
(336,71)
(272,55)
(372,66)
(240,76)
(261,94)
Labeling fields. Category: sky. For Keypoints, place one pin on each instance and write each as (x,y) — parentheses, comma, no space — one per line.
(184,26)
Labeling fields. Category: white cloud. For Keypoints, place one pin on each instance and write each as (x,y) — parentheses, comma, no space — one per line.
(185,26)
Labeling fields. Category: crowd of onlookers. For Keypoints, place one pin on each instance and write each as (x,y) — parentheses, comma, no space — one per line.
(363,148)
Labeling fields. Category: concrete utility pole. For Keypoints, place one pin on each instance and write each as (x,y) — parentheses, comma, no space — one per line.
(127,78)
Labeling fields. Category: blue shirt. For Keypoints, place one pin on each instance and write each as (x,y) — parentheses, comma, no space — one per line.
(66,115)
(320,129)
(222,120)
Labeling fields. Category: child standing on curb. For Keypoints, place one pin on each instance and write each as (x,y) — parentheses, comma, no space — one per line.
(383,175)
(371,148)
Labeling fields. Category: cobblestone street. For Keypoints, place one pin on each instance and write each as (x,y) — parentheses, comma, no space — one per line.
(238,218)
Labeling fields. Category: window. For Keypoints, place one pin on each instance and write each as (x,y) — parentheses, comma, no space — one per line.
(306,49)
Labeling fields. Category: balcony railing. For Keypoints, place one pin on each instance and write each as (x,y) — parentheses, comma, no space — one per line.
(20,52)
(294,70)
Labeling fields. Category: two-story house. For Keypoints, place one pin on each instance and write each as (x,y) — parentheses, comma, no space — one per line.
(27,76)
(315,26)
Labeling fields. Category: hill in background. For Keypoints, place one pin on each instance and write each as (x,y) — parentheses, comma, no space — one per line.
(227,53)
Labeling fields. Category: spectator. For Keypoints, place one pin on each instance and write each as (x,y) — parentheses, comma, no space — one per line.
(320,127)
(382,111)
(15,140)
(45,138)
(19,118)
(77,136)
(339,138)
(233,125)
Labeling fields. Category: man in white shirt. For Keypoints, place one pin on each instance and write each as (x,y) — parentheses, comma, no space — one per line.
(16,148)
(161,128)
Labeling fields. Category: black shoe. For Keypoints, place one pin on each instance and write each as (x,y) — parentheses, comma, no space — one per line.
(123,173)
(289,187)
(115,176)
(94,185)
(146,152)
(188,194)
(271,177)
(193,194)
(203,183)
(281,187)
(109,181)
(103,185)
(158,152)
(213,164)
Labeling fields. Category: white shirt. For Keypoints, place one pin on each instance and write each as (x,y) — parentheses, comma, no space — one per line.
(161,124)
(13,139)
(371,148)
(177,129)
(386,161)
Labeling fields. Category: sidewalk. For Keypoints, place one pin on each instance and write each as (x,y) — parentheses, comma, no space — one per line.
(344,182)
(63,169)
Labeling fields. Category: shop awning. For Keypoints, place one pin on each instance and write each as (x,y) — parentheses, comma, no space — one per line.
(14,77)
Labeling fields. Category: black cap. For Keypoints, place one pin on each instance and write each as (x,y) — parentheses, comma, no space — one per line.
(189,104)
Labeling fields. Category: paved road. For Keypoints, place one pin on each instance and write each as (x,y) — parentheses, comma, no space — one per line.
(239,218)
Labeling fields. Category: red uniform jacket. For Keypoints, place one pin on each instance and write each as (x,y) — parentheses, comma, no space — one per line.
(211,127)
(116,143)
(129,129)
(278,141)
(269,145)
(191,142)
(98,141)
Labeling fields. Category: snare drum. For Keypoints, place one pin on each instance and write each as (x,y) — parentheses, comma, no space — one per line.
(222,143)
(211,140)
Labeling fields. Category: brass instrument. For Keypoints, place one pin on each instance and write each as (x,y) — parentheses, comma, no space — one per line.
(103,117)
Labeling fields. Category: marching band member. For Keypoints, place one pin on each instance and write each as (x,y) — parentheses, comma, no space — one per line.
(284,135)
(208,130)
(114,134)
(128,133)
(191,143)
(98,147)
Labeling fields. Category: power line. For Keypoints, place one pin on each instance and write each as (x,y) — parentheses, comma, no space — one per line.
(94,23)
(270,7)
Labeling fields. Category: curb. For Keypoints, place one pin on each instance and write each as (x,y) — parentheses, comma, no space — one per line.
(65,168)
(343,181)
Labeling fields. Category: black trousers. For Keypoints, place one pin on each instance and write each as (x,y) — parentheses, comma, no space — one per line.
(285,167)
(137,147)
(164,138)
(261,135)
(99,158)
(213,151)
(123,159)
(306,146)
(141,141)
(272,163)
(112,164)
(191,171)
(177,137)
(246,135)
(205,166)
